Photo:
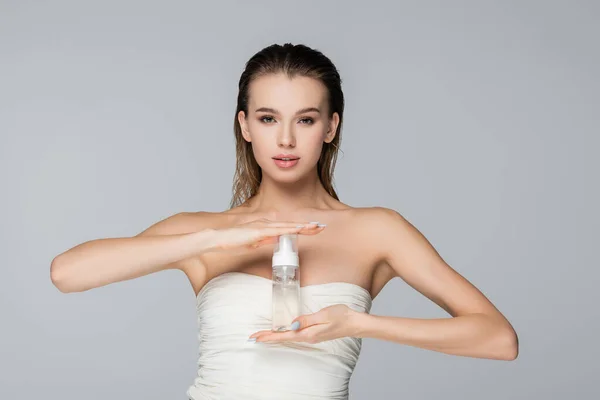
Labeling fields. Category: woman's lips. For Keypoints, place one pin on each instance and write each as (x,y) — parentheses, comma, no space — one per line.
(285,162)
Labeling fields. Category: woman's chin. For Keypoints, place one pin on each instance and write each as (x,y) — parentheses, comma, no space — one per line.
(285,176)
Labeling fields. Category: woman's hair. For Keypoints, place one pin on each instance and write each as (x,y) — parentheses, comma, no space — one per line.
(293,60)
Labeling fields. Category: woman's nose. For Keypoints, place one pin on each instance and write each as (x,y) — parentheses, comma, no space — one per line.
(286,137)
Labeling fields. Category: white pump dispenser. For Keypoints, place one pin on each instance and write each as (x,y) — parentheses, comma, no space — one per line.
(286,251)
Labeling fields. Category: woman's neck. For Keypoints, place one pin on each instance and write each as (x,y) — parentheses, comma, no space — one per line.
(276,198)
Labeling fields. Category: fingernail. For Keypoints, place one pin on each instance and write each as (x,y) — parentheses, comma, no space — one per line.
(295,326)
(314,223)
(252,340)
(299,226)
(322,225)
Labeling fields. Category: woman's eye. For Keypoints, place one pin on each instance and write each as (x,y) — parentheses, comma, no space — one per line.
(267,119)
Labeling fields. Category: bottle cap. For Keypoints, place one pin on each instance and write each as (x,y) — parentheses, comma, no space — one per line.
(286,251)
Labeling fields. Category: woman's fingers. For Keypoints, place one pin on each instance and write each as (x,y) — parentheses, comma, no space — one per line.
(300,229)
(270,235)
(313,231)
(289,224)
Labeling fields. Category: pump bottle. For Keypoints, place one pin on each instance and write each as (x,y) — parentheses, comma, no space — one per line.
(286,301)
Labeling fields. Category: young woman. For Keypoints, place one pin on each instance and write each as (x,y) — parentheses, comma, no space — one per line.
(287,129)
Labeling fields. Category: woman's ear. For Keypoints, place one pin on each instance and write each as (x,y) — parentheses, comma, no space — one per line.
(244,126)
(332,126)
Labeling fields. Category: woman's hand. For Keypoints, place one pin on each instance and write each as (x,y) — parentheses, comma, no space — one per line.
(329,323)
(253,234)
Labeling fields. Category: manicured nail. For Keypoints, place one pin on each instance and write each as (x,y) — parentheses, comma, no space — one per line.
(322,225)
(252,340)
(314,223)
(295,326)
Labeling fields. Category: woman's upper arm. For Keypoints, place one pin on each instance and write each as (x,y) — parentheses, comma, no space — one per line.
(414,259)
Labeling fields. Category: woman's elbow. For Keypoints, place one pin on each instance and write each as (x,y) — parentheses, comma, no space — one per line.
(506,345)
(58,275)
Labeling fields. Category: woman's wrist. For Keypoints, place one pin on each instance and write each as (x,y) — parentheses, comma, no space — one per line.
(361,323)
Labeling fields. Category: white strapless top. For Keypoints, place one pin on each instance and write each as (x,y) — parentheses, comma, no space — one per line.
(233,306)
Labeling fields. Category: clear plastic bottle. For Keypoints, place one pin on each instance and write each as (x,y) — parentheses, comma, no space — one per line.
(286,283)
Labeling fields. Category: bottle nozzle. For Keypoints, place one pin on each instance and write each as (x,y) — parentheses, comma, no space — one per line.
(286,250)
(285,243)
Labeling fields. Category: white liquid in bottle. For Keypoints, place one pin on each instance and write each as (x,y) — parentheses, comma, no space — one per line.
(286,283)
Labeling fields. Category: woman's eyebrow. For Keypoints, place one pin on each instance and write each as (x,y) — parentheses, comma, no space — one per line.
(302,111)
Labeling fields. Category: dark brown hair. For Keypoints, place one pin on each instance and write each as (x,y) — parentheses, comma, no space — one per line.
(293,60)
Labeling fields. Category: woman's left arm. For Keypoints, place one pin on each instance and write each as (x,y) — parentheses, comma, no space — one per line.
(476,327)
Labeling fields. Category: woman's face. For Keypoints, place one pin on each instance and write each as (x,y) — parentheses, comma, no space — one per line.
(287,124)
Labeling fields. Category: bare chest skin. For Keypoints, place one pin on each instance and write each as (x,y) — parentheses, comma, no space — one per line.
(342,252)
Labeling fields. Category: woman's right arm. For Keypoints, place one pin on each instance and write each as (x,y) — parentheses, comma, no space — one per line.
(100,262)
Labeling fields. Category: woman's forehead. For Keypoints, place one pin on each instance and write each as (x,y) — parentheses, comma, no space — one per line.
(285,94)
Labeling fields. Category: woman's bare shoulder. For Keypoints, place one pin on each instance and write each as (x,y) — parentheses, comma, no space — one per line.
(375,214)
(378,221)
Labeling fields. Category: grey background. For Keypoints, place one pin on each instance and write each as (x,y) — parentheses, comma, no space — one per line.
(477,120)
